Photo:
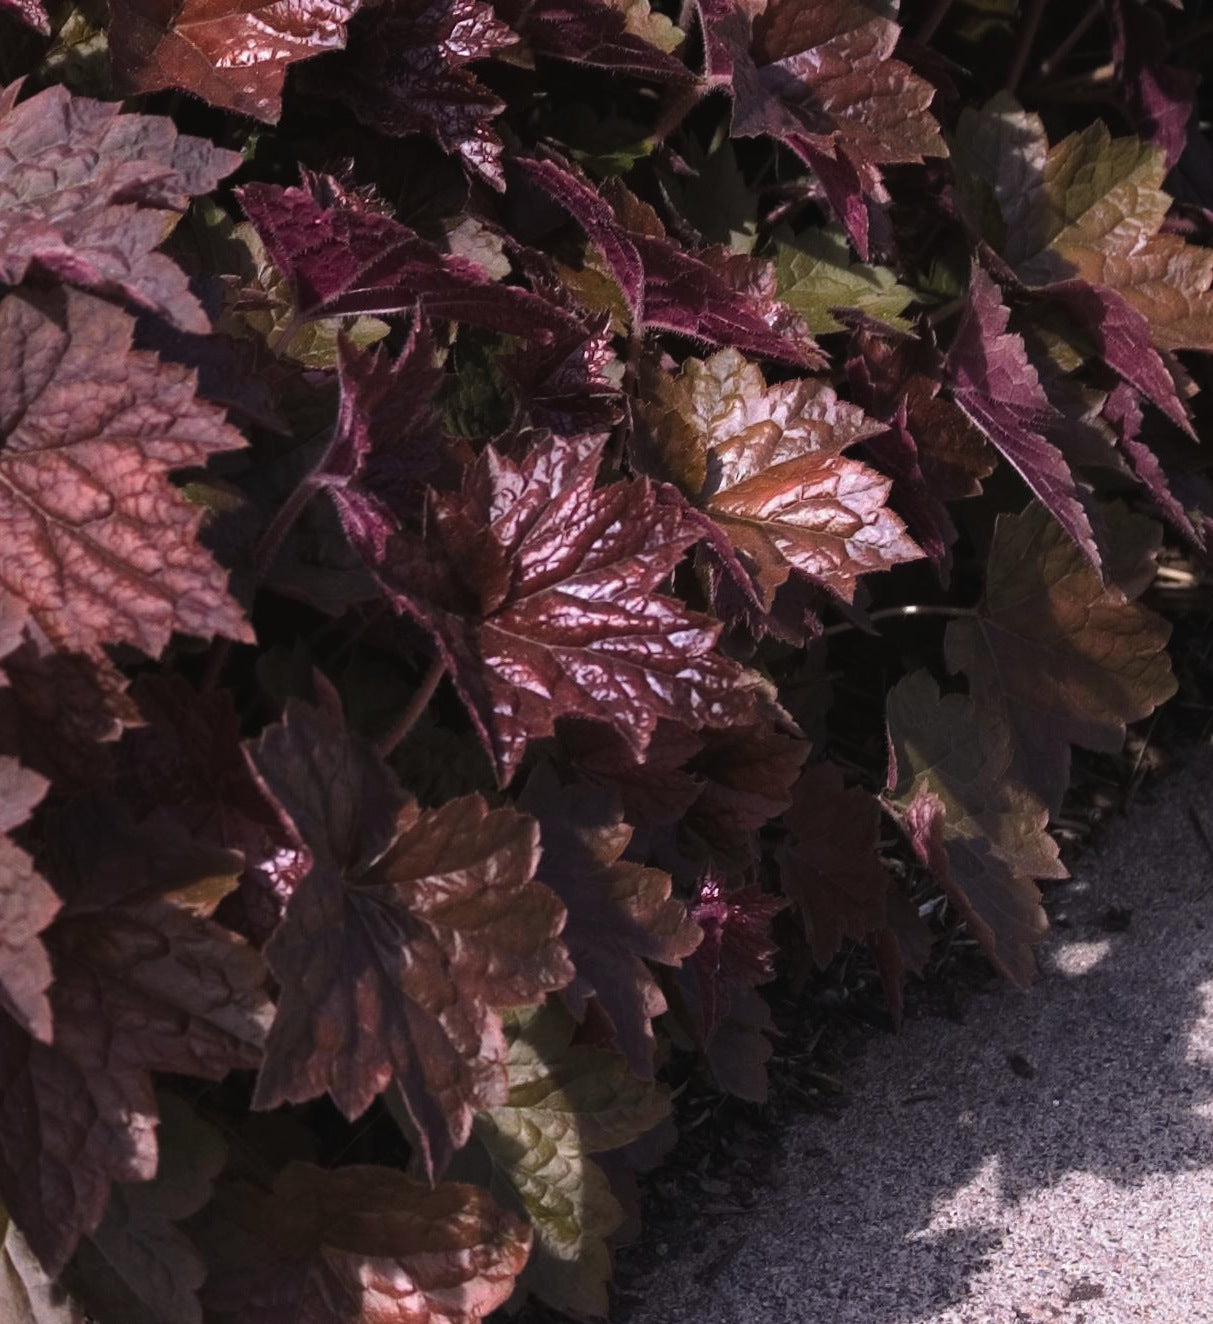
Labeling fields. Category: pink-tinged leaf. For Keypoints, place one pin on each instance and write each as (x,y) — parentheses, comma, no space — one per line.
(409,932)
(342,257)
(979,831)
(144,981)
(620,914)
(1123,413)
(27,905)
(30,12)
(1064,658)
(359,1244)
(1160,96)
(829,866)
(541,592)
(388,436)
(232,53)
(99,548)
(822,79)
(88,194)
(993,381)
(668,289)
(1122,337)
(592,32)
(765,464)
(402,74)
(731,1021)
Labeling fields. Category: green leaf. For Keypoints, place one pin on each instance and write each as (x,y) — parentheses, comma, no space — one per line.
(816,274)
(565,1103)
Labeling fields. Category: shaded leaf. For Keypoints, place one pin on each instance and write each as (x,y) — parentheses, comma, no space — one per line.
(88,194)
(411,929)
(620,914)
(100,549)
(144,981)
(766,465)
(565,1103)
(402,74)
(139,1266)
(540,590)
(829,866)
(1066,659)
(232,53)
(979,831)
(27,905)
(994,383)
(349,1245)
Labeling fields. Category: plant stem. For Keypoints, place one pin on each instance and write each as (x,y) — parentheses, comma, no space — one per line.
(416,706)
(276,530)
(1027,38)
(1057,59)
(912,610)
(932,21)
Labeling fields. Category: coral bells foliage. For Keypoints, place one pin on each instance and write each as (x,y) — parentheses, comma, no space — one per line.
(512,516)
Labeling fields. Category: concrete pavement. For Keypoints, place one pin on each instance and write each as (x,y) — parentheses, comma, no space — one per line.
(1048,1160)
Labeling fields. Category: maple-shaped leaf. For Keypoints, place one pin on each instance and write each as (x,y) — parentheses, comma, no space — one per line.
(388,434)
(145,981)
(232,53)
(817,276)
(822,79)
(994,382)
(1068,660)
(566,1102)
(979,831)
(402,74)
(620,914)
(27,905)
(598,33)
(411,930)
(139,1266)
(829,865)
(88,194)
(665,287)
(541,592)
(766,465)
(30,12)
(1090,208)
(359,1244)
(341,257)
(99,548)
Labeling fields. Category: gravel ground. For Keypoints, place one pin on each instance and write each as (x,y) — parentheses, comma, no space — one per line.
(1050,1159)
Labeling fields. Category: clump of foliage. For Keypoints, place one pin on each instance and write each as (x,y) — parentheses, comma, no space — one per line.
(462,464)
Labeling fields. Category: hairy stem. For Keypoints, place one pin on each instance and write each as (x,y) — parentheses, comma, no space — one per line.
(283,522)
(1054,62)
(909,611)
(932,21)
(416,706)
(1027,39)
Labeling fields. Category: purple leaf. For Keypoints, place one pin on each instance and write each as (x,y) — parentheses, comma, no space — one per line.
(992,380)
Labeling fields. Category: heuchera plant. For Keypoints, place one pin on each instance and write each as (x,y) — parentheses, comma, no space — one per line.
(449,452)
